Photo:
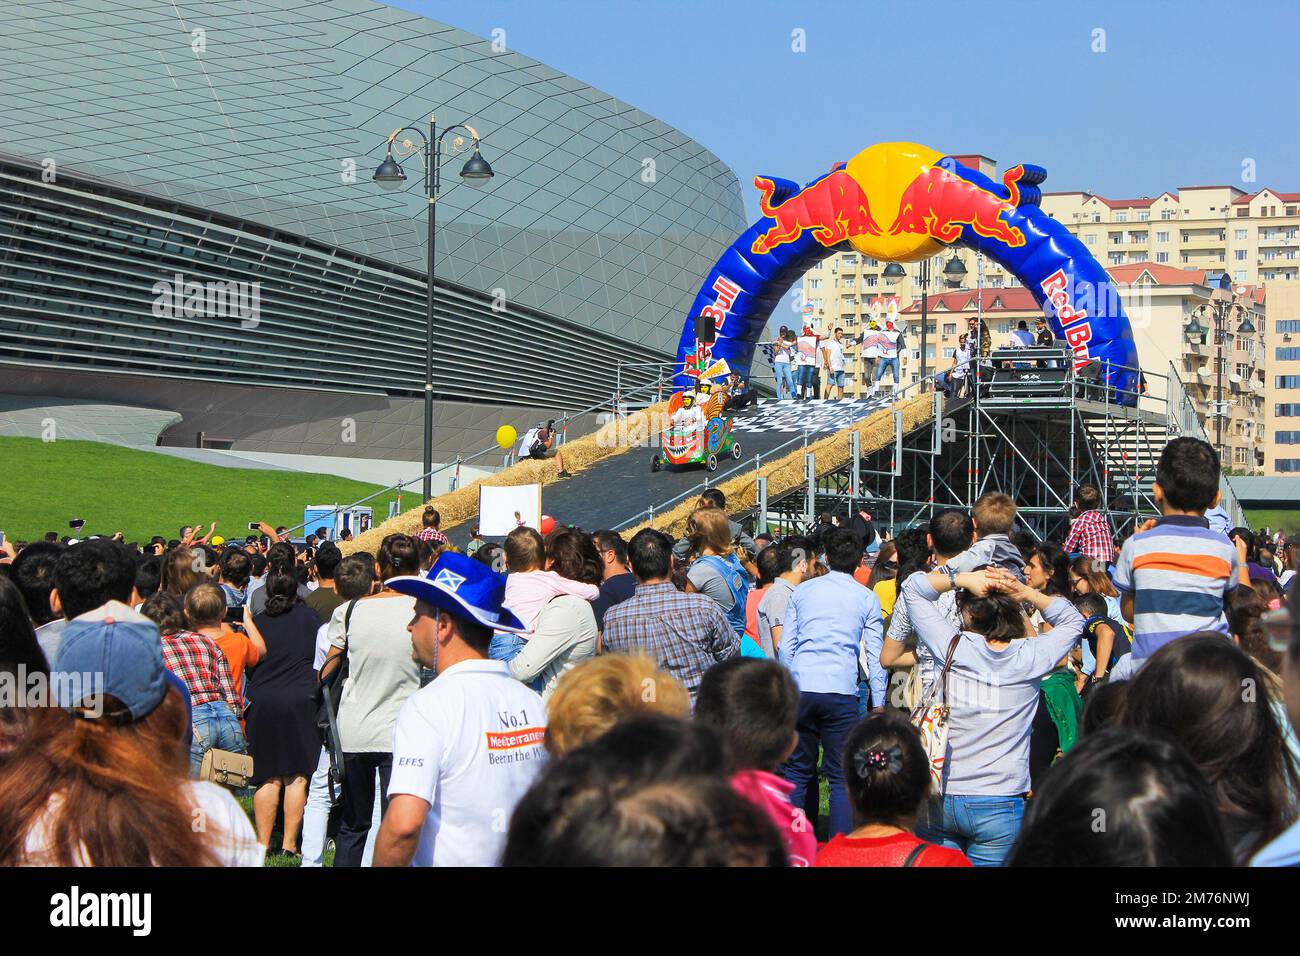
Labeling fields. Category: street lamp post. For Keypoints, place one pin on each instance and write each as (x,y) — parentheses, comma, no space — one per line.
(893,272)
(1221,306)
(390,175)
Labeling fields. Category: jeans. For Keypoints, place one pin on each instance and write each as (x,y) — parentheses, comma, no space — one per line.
(805,376)
(784,380)
(315,821)
(505,647)
(887,362)
(359,804)
(215,726)
(835,378)
(824,719)
(982,827)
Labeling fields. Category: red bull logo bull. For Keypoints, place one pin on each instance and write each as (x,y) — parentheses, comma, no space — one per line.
(939,204)
(834,208)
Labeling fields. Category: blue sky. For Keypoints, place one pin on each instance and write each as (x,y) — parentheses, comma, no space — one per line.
(1182,95)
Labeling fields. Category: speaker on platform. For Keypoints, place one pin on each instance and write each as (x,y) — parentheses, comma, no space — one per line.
(705,330)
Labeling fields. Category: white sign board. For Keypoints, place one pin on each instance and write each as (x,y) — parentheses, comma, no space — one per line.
(503,508)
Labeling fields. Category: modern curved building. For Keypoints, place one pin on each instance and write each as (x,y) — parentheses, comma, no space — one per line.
(188,223)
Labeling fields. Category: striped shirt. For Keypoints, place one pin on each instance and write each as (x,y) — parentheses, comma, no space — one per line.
(1179,573)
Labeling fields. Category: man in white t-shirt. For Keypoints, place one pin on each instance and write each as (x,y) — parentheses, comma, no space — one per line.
(833,362)
(468,745)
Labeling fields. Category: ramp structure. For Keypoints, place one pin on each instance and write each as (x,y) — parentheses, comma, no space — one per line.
(1036,428)
(1036,441)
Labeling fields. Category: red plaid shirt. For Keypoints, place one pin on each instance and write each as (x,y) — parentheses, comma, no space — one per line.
(432,534)
(196,659)
(1091,535)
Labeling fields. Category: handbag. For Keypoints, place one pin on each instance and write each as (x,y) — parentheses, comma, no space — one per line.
(328,694)
(931,720)
(225,767)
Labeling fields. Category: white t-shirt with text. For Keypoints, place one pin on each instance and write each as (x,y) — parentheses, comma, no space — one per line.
(469,744)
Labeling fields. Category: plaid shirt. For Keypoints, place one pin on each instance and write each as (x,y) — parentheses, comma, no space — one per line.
(1091,535)
(686,634)
(432,534)
(196,659)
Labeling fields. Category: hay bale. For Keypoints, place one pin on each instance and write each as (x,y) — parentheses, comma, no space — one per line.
(613,438)
(787,472)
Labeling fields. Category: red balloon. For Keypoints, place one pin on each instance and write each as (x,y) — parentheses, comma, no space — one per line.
(548,524)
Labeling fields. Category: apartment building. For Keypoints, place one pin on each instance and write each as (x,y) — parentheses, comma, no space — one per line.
(1282,383)
(1165,254)
(1254,237)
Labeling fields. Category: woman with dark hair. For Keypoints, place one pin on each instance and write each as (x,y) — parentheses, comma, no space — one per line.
(1205,692)
(280,559)
(565,632)
(281,715)
(884,568)
(381,674)
(888,778)
(20,658)
(1047,569)
(1246,609)
(1119,799)
(993,694)
(1088,575)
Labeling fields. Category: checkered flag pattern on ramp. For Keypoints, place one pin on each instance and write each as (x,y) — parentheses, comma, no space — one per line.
(816,417)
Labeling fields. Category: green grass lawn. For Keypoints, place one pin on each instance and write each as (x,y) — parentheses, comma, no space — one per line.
(1274,520)
(143,493)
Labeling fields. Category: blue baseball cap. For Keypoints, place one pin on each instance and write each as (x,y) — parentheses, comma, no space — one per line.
(111,650)
(463,587)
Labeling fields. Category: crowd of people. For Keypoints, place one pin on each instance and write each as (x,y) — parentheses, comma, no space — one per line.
(960,693)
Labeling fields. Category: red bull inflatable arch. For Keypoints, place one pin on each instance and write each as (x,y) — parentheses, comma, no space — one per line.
(903,202)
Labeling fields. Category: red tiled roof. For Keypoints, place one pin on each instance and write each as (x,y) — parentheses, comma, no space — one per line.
(1285,197)
(1162,274)
(1014,299)
(1127,203)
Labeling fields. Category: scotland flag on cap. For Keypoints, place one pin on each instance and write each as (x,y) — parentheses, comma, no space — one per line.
(462,587)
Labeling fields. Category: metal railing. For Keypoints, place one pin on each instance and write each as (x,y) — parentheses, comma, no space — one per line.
(1184,419)
(563,422)
(648,514)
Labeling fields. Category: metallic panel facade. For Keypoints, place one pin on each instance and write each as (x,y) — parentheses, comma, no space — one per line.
(234,141)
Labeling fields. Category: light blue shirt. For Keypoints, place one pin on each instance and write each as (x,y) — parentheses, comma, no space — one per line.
(993,694)
(826,620)
(1283,851)
(1219,519)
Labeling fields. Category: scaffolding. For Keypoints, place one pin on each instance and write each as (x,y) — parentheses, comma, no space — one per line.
(1036,435)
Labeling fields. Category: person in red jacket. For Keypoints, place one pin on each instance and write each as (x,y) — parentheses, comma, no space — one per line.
(888,778)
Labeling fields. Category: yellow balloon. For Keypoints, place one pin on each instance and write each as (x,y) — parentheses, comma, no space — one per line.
(506,436)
